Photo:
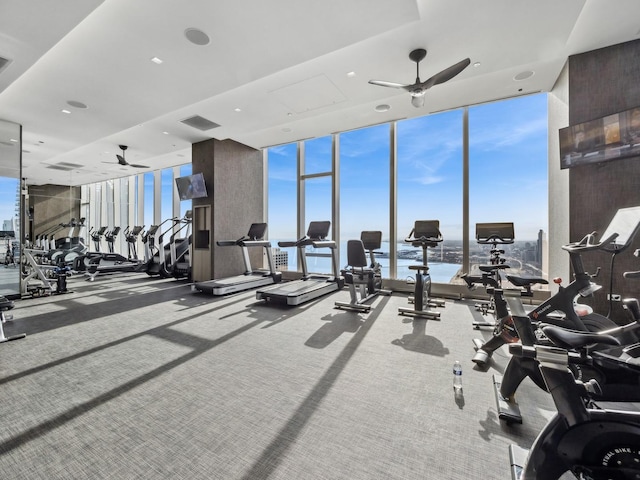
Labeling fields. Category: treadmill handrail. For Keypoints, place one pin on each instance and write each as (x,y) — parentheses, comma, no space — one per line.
(294,243)
(324,244)
(226,243)
(256,243)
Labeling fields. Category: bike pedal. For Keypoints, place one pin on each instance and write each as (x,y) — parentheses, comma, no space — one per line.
(508,410)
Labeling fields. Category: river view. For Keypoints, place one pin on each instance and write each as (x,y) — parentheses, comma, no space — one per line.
(444,262)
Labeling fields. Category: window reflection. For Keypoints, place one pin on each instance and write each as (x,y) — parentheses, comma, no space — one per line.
(10,208)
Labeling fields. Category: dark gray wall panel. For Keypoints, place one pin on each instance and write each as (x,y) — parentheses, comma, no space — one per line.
(603,82)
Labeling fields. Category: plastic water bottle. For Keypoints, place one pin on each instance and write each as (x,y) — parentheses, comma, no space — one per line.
(457,376)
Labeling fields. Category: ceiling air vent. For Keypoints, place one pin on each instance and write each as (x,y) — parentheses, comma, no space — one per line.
(200,123)
(69,164)
(60,167)
(4,62)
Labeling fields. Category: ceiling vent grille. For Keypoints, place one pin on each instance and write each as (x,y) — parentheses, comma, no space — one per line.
(4,63)
(200,123)
(60,167)
(69,164)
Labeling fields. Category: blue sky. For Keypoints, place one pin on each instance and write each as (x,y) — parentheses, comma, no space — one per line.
(8,191)
(508,144)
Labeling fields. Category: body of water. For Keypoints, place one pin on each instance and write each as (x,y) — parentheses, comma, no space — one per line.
(440,272)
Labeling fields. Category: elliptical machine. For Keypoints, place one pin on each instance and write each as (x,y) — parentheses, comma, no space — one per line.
(425,234)
(363,278)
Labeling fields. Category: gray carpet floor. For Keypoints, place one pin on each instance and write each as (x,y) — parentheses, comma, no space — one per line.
(129,377)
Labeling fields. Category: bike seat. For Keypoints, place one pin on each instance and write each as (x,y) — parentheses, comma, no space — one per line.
(574,339)
(472,280)
(526,281)
(418,267)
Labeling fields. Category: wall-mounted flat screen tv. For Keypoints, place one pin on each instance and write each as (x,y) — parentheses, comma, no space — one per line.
(607,138)
(191,186)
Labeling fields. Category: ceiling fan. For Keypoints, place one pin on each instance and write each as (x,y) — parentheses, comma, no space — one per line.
(418,89)
(123,162)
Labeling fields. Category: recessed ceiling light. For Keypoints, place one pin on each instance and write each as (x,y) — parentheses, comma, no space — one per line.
(156,60)
(13,140)
(76,104)
(477,64)
(237,109)
(383,108)
(166,133)
(523,75)
(65,111)
(197,36)
(351,74)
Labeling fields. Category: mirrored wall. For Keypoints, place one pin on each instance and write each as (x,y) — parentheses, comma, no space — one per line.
(10,213)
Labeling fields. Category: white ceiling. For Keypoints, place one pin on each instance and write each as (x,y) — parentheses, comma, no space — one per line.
(283,63)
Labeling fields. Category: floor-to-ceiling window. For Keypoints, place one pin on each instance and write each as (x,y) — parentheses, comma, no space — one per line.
(166,195)
(109,215)
(507,144)
(11,212)
(508,178)
(148,198)
(429,187)
(122,212)
(282,202)
(364,188)
(317,180)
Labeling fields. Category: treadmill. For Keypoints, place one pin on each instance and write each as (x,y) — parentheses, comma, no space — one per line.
(250,278)
(309,286)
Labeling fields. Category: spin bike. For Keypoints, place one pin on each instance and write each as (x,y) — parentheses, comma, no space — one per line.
(493,234)
(594,441)
(363,278)
(504,331)
(425,234)
(617,237)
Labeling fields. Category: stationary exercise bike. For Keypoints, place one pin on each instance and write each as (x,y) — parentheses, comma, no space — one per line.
(504,331)
(363,277)
(494,234)
(594,441)
(425,234)
(617,237)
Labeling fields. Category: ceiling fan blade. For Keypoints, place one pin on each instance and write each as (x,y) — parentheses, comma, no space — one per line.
(446,74)
(382,83)
(417,101)
(137,166)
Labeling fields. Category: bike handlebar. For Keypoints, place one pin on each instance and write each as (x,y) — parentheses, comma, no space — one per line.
(588,242)
(422,239)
